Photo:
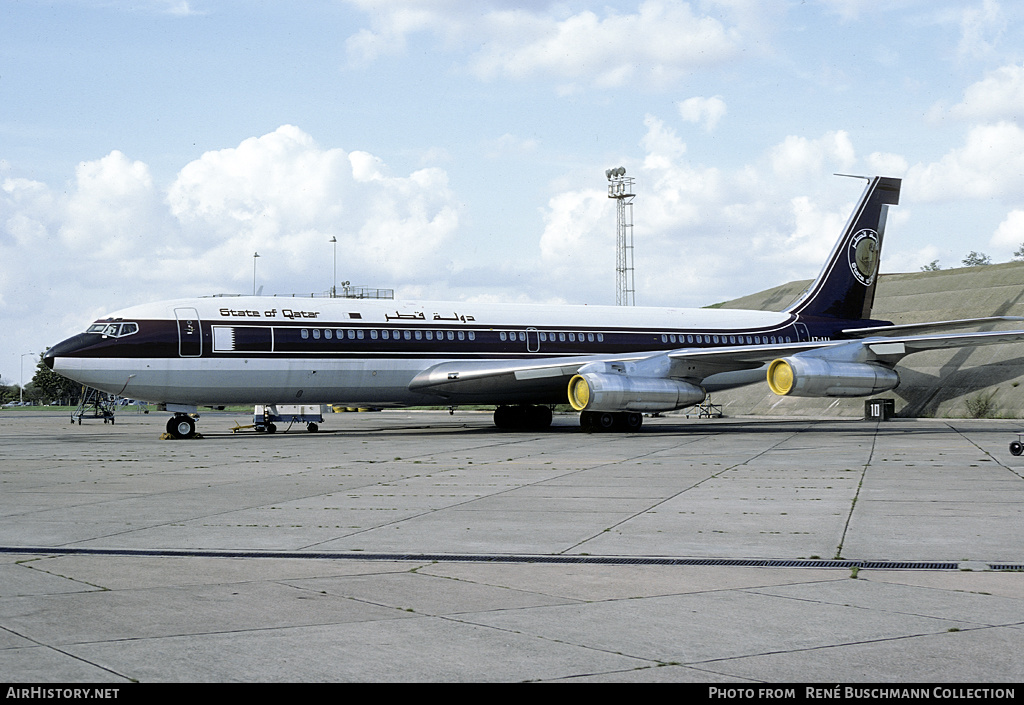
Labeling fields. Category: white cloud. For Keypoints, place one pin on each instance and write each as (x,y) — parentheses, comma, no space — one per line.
(707,110)
(114,237)
(659,42)
(576,240)
(663,40)
(282,194)
(799,158)
(113,210)
(895,260)
(981,27)
(181,8)
(1010,233)
(393,21)
(998,96)
(885,164)
(989,165)
(849,9)
(701,234)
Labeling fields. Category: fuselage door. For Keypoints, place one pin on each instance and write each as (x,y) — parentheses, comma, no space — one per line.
(190,333)
(532,340)
(802,336)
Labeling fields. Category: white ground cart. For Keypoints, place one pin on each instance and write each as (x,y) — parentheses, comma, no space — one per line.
(266,418)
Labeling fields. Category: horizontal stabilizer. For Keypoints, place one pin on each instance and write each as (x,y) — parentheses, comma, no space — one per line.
(916,328)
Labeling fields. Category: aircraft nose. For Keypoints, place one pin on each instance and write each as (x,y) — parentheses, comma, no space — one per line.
(69,347)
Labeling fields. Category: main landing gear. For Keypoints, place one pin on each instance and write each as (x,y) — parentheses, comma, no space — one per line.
(181,426)
(529,417)
(611,421)
(525,417)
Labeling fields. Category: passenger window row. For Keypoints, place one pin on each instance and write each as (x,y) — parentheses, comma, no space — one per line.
(360,334)
(521,336)
(553,337)
(704,339)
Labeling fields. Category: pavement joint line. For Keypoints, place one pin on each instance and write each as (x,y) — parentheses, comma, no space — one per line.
(844,563)
(668,498)
(856,495)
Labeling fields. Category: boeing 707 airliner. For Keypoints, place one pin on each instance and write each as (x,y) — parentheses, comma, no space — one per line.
(610,363)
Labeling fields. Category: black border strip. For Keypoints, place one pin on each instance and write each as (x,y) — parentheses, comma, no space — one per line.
(505,558)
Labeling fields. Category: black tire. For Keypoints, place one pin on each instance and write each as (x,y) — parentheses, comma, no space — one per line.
(1016,448)
(503,417)
(312,427)
(633,421)
(271,428)
(181,426)
(587,421)
(538,417)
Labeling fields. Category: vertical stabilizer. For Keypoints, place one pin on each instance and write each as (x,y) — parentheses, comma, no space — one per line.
(846,286)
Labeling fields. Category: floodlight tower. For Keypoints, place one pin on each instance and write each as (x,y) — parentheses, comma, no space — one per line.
(620,187)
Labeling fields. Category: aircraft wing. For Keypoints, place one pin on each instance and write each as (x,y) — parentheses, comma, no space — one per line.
(464,382)
(885,348)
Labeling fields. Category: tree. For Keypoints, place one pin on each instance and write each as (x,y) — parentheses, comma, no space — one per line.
(8,392)
(52,387)
(1019,252)
(932,266)
(977,259)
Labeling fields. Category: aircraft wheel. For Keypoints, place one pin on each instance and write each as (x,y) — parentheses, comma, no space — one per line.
(312,427)
(587,421)
(181,426)
(524,417)
(538,417)
(271,428)
(611,421)
(1016,448)
(504,417)
(633,421)
(597,420)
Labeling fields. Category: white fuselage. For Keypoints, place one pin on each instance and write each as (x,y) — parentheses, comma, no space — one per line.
(225,350)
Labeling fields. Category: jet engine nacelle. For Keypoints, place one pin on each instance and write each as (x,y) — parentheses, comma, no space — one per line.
(596,391)
(820,377)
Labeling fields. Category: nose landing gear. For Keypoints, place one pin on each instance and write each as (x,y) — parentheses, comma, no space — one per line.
(181,426)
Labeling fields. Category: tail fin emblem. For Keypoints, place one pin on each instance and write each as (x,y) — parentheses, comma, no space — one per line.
(863,255)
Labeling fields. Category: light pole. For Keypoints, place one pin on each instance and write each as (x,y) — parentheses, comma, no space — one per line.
(21,391)
(620,187)
(334,282)
(254,256)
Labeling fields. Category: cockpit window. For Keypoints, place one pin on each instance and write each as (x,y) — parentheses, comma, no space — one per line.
(114,330)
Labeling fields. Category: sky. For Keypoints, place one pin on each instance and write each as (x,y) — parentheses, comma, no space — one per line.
(456,149)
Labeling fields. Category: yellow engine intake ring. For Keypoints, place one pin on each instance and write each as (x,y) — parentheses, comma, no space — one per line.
(780,377)
(579,393)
